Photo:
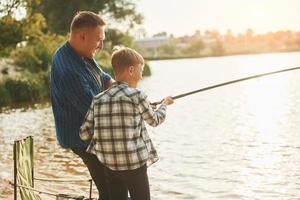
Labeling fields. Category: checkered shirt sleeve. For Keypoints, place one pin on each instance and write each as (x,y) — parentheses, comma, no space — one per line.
(153,118)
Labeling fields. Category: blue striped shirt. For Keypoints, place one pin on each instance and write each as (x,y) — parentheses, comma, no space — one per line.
(72,88)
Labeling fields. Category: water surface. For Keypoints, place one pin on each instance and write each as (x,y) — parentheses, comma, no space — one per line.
(240,141)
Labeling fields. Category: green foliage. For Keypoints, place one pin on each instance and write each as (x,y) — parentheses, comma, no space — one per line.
(194,48)
(103,58)
(35,58)
(34,27)
(11,34)
(147,70)
(36,55)
(56,10)
(167,50)
(21,90)
(10,7)
(5,97)
(217,48)
(115,37)
(29,88)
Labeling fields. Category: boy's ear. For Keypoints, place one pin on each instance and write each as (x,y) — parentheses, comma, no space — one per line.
(130,69)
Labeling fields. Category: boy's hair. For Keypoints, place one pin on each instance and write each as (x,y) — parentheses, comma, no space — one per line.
(87,19)
(124,57)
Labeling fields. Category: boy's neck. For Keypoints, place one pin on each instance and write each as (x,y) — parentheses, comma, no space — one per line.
(126,80)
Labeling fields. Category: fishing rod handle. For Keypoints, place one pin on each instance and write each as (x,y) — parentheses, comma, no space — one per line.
(160,102)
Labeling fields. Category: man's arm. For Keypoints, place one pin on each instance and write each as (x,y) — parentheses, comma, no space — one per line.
(77,91)
(87,128)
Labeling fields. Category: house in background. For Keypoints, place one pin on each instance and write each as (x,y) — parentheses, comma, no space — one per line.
(153,42)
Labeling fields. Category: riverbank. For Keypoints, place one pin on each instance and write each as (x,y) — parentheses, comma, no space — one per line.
(225,54)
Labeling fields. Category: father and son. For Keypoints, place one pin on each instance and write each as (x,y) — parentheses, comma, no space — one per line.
(100,119)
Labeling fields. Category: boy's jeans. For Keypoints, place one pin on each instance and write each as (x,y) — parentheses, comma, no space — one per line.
(96,170)
(134,181)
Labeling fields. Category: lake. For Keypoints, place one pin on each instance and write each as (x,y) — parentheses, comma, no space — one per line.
(239,141)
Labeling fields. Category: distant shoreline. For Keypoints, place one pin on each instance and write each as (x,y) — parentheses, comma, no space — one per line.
(226,54)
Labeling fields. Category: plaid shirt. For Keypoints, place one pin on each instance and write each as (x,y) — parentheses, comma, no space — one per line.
(115,123)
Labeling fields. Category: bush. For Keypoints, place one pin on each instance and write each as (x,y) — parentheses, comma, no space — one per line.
(31,88)
(5,97)
(43,78)
(36,55)
(21,90)
(11,34)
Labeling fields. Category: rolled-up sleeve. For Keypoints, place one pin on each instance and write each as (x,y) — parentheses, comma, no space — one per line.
(106,77)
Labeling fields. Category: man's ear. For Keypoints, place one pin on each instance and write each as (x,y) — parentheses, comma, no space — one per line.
(82,35)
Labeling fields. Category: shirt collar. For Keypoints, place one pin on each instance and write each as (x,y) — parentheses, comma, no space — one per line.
(74,54)
(117,83)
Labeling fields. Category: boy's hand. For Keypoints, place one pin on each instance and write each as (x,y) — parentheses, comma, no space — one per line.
(153,107)
(168,101)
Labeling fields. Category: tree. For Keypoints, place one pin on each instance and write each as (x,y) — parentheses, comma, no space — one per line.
(11,34)
(59,14)
(249,33)
(194,48)
(9,7)
(229,36)
(115,37)
(167,49)
(160,34)
(217,48)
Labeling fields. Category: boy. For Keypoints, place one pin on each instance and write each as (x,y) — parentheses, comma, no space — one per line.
(115,122)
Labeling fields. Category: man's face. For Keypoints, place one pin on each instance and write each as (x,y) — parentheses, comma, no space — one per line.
(94,40)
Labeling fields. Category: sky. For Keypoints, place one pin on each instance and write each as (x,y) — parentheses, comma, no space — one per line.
(183,17)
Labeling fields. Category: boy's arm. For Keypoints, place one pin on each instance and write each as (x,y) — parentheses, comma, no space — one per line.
(87,128)
(153,118)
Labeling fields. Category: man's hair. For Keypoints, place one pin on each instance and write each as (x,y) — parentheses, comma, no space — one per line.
(124,57)
(83,19)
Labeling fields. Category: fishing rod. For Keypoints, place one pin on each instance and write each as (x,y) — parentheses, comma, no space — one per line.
(227,83)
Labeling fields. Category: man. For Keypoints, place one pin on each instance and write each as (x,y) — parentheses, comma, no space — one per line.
(75,79)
